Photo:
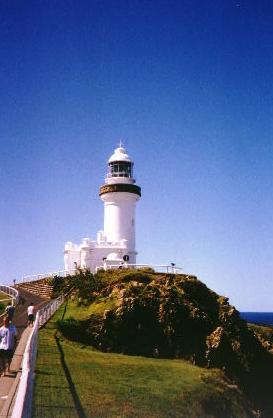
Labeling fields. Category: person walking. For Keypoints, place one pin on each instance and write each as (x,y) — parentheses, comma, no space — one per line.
(8,338)
(30,314)
(9,311)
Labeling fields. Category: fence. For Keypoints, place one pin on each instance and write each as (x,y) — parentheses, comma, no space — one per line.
(10,291)
(23,402)
(162,268)
(34,277)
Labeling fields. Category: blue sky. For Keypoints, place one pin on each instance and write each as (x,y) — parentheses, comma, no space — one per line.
(188,85)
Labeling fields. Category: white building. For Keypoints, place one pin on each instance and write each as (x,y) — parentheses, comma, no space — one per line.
(116,243)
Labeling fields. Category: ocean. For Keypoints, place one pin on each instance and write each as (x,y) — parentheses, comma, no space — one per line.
(263,318)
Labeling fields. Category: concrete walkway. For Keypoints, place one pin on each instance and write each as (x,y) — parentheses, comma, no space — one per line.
(8,384)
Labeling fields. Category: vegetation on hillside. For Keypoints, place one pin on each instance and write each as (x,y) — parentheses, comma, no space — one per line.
(169,316)
(74,379)
(264,334)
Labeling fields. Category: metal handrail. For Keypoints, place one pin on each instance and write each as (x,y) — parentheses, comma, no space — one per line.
(10,291)
(167,268)
(23,402)
(39,276)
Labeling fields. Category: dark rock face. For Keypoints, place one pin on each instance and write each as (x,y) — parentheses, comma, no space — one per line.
(172,316)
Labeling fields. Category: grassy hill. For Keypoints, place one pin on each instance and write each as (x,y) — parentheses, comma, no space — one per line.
(74,379)
(173,318)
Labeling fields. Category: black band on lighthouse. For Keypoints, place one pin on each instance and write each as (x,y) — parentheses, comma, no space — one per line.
(129,188)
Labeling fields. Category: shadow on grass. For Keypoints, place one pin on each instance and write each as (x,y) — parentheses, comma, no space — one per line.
(72,389)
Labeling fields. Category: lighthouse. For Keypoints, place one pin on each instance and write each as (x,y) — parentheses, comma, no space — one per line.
(120,194)
(116,242)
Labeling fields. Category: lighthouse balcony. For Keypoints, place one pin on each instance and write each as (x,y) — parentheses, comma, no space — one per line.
(110,179)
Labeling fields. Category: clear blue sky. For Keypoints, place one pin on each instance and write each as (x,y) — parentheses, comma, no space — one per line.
(188,85)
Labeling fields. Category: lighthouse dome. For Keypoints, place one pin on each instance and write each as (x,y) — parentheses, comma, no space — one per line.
(120,155)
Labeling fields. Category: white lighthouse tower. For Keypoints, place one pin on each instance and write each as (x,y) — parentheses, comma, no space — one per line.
(116,243)
(120,194)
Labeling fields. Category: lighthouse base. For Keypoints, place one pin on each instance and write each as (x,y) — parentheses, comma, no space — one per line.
(92,254)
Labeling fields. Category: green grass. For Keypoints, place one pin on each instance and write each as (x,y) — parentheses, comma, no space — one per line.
(74,380)
(99,306)
(4,296)
(82,312)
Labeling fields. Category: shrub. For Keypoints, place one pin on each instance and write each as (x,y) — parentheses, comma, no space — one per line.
(84,283)
(146,269)
(136,276)
(73,329)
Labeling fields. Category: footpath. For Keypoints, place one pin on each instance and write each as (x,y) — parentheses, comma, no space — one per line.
(8,384)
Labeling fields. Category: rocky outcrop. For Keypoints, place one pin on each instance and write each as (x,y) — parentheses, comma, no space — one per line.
(177,316)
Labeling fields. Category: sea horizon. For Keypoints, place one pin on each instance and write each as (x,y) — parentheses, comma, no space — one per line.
(261,318)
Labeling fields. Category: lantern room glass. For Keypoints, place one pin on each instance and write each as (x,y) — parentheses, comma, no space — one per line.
(120,169)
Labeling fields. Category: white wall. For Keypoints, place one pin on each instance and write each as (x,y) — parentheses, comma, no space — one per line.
(119,217)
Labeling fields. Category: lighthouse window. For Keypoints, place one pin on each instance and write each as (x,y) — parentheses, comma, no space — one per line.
(121,169)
